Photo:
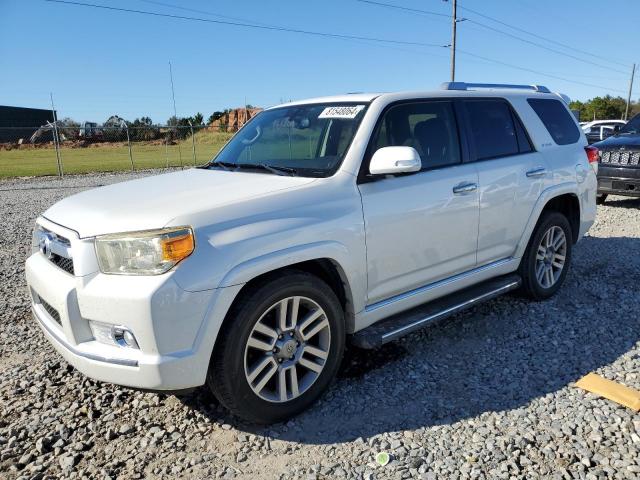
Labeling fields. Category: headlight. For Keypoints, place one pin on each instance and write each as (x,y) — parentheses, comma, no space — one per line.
(151,252)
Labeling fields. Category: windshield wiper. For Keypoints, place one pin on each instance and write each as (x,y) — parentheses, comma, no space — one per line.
(229,166)
(272,168)
(224,165)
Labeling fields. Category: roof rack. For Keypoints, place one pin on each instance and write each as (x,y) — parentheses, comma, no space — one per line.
(473,86)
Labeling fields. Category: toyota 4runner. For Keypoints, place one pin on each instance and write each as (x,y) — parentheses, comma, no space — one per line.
(354,218)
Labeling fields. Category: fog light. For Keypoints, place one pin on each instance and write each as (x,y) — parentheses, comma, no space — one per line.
(113,335)
(124,337)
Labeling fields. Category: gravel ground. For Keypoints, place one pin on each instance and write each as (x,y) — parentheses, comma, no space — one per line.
(487,394)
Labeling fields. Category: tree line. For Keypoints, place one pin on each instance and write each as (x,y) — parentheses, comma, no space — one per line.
(604,108)
(115,128)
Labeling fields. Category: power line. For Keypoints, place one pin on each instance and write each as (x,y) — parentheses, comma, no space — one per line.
(380,41)
(537,72)
(427,12)
(407,9)
(540,36)
(249,25)
(544,47)
(204,12)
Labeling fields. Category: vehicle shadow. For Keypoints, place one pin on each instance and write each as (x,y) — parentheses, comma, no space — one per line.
(623,202)
(497,356)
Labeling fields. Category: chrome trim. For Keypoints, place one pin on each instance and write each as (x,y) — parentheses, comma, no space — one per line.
(537,172)
(117,334)
(51,243)
(435,316)
(465,187)
(90,356)
(438,284)
(471,86)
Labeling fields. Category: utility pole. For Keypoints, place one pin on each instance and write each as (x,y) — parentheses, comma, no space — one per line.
(453,40)
(175,113)
(56,136)
(626,111)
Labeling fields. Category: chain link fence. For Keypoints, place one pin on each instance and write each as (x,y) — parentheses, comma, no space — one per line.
(59,150)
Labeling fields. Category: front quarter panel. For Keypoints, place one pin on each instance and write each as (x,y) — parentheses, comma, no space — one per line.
(237,243)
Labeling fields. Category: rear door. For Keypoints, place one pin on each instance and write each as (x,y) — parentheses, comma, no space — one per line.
(511,175)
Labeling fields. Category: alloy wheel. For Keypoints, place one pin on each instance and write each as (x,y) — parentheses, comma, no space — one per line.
(287,349)
(551,257)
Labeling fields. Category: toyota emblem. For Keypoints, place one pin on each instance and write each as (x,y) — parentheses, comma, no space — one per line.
(45,245)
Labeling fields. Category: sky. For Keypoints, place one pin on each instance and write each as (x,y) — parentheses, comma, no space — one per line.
(99,62)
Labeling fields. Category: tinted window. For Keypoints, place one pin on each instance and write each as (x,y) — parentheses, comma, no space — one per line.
(429,127)
(556,119)
(492,128)
(633,126)
(524,144)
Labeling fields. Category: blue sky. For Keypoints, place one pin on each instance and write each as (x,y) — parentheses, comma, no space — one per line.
(98,62)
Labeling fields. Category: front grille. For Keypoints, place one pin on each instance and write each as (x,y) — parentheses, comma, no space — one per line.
(53,313)
(65,264)
(620,157)
(62,245)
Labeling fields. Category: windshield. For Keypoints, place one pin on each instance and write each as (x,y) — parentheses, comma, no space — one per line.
(306,140)
(632,127)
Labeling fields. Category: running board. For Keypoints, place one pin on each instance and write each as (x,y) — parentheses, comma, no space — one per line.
(419,317)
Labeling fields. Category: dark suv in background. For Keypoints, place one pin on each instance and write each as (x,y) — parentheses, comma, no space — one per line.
(619,169)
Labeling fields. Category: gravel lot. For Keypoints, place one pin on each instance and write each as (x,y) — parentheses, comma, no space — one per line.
(487,394)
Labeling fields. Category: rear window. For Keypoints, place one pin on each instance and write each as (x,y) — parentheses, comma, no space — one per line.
(493,130)
(556,119)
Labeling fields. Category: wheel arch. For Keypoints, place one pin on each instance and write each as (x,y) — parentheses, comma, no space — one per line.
(327,263)
(561,198)
(569,205)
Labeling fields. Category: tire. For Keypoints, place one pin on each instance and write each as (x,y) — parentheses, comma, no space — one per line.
(247,342)
(541,287)
(600,198)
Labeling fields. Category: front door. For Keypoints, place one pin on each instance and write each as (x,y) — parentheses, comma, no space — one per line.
(421,227)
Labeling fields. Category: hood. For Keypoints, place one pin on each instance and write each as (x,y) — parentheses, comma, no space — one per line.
(152,202)
(631,141)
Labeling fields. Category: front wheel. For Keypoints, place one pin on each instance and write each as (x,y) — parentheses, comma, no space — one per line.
(279,349)
(544,266)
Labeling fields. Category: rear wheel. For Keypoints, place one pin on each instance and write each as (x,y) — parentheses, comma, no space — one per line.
(600,198)
(544,266)
(279,349)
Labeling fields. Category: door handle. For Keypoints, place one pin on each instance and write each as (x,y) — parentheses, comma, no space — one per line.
(537,172)
(465,187)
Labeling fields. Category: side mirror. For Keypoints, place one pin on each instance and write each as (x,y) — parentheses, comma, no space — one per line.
(616,128)
(392,160)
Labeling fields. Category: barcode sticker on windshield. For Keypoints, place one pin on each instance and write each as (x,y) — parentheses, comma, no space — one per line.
(344,111)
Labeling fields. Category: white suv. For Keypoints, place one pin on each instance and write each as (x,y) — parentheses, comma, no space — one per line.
(359,217)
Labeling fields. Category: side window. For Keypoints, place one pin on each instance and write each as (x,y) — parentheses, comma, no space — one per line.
(492,129)
(429,127)
(556,119)
(524,144)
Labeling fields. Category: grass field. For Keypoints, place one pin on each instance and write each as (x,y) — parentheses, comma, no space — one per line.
(20,162)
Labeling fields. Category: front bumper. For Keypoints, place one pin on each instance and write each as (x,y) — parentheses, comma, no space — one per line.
(619,180)
(175,329)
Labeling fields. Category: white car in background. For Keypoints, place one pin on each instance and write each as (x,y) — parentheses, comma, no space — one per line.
(351,218)
(597,130)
